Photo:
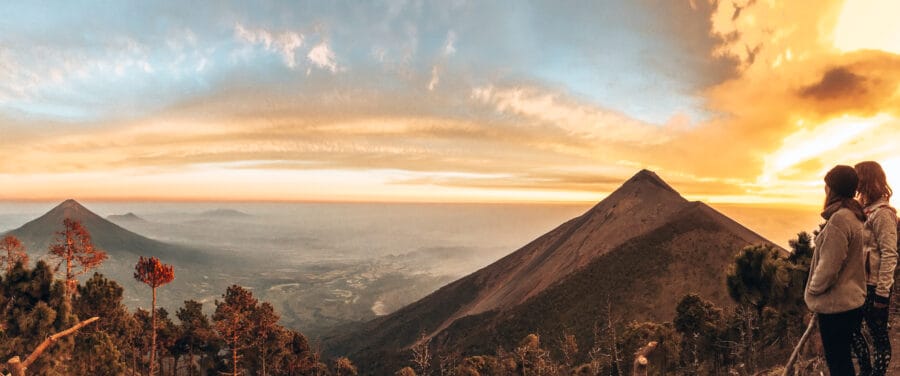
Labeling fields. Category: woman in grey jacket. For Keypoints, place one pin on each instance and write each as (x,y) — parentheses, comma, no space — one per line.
(836,288)
(881,251)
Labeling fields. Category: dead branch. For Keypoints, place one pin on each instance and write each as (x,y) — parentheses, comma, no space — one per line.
(796,353)
(19,367)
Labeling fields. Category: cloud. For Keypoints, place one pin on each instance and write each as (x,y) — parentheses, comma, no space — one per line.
(862,83)
(435,79)
(689,30)
(299,140)
(450,44)
(797,105)
(285,43)
(767,99)
(279,133)
(836,83)
(323,57)
(554,109)
(869,25)
(108,80)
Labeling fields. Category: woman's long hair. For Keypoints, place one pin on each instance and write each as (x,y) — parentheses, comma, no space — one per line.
(834,201)
(873,184)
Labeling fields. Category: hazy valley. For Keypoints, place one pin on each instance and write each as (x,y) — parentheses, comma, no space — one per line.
(324,265)
(373,280)
(321,265)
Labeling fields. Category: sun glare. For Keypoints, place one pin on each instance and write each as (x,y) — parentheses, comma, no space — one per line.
(892,170)
(812,142)
(868,24)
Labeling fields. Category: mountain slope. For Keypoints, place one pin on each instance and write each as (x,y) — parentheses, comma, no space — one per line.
(195,276)
(38,234)
(640,249)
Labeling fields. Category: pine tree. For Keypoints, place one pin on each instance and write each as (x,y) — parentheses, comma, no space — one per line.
(74,249)
(99,350)
(265,334)
(700,324)
(102,297)
(36,310)
(801,249)
(233,321)
(11,252)
(756,277)
(140,340)
(153,273)
(196,332)
(167,334)
(344,367)
(297,355)
(96,353)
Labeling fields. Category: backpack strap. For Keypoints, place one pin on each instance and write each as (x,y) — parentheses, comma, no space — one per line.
(870,211)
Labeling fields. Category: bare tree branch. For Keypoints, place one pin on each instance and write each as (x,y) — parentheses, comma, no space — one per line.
(796,353)
(18,367)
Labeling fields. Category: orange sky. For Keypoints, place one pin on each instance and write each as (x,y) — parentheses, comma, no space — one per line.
(763,101)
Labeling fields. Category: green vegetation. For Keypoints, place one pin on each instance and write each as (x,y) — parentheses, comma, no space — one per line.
(35,304)
(752,335)
(588,335)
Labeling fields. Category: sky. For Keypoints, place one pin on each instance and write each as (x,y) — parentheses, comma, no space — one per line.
(443,101)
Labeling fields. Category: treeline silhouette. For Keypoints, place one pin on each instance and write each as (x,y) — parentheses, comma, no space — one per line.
(242,337)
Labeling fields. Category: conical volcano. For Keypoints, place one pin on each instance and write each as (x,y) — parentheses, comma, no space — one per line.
(195,276)
(38,234)
(635,253)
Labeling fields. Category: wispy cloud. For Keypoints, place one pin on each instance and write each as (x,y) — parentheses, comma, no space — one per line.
(323,57)
(435,78)
(450,44)
(284,43)
(554,109)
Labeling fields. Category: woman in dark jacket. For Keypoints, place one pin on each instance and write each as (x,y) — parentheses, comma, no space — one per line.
(836,289)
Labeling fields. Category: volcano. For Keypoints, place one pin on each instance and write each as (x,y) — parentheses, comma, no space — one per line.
(118,242)
(194,268)
(632,256)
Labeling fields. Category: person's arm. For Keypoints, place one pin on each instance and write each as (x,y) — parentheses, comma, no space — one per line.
(885,231)
(832,253)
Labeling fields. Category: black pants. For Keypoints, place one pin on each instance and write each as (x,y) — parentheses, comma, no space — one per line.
(837,330)
(877,322)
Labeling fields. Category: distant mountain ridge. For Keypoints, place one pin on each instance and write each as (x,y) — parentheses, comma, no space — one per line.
(225,213)
(641,249)
(127,217)
(197,274)
(38,234)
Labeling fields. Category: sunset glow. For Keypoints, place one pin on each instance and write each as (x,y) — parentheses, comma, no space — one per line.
(401,101)
(868,24)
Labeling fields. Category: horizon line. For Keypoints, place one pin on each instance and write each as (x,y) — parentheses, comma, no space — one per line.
(772,204)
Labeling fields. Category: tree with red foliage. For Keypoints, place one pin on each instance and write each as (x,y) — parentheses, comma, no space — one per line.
(74,248)
(12,252)
(153,273)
